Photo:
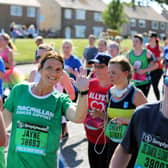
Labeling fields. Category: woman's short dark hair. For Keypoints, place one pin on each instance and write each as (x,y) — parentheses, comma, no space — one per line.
(50,55)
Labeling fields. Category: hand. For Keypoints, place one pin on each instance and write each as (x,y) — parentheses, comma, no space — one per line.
(82,82)
(97,113)
(121,121)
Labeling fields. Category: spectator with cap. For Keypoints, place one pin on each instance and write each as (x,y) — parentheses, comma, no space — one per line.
(94,125)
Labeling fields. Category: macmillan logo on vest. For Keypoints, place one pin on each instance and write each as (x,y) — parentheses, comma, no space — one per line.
(35,112)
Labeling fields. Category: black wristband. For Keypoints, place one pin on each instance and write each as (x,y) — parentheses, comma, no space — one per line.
(83,92)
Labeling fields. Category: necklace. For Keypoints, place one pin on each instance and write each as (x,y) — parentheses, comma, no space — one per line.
(118,92)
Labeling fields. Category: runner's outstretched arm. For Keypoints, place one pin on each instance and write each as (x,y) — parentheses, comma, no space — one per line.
(78,113)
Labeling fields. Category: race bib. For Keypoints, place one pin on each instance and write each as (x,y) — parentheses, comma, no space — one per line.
(31,138)
(115,132)
(153,153)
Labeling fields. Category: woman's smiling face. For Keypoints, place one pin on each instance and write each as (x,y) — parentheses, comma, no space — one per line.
(51,71)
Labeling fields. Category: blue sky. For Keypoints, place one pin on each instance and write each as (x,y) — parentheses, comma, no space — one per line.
(153,4)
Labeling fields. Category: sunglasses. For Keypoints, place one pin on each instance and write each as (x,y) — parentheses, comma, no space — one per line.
(99,66)
(165,80)
(113,46)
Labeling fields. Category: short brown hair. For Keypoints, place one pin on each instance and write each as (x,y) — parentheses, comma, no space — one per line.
(92,36)
(124,63)
(104,41)
(51,55)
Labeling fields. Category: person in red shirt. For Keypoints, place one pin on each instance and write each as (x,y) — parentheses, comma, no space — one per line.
(94,125)
(154,47)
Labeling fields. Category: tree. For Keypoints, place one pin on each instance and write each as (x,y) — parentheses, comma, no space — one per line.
(159,1)
(147,2)
(114,16)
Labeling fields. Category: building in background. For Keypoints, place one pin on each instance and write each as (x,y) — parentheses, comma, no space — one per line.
(72,18)
(144,19)
(22,12)
(77,18)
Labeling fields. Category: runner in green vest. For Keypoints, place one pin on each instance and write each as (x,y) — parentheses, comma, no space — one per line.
(36,110)
(143,63)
